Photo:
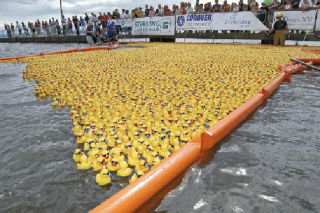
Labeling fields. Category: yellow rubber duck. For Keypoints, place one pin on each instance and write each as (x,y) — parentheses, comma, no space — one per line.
(77,155)
(84,163)
(156,161)
(103,177)
(97,164)
(135,176)
(142,165)
(113,165)
(124,171)
(106,155)
(133,158)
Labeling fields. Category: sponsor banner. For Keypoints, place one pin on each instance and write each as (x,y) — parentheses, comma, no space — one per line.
(123,22)
(236,21)
(298,20)
(193,22)
(318,21)
(164,25)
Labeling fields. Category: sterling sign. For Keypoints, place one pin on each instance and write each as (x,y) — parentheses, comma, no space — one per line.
(154,26)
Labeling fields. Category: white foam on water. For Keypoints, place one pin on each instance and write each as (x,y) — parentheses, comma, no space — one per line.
(199,204)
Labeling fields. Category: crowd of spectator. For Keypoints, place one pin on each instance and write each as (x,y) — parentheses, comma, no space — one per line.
(75,25)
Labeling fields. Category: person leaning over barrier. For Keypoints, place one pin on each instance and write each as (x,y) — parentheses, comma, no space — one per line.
(90,34)
(278,27)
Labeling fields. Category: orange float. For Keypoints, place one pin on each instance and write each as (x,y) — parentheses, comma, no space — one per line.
(62,52)
(136,194)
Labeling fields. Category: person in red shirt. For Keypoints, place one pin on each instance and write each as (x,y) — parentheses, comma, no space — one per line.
(105,19)
(70,25)
(166,11)
(182,8)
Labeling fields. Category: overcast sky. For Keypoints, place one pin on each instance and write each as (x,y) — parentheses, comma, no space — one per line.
(30,10)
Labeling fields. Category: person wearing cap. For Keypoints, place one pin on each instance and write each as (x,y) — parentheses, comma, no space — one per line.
(279,27)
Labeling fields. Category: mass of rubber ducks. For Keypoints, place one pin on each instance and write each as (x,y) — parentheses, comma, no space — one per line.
(131,109)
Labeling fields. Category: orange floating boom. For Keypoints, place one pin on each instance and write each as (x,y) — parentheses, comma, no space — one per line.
(61,52)
(136,194)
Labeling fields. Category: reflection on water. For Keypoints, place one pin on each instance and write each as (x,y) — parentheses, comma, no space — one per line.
(270,164)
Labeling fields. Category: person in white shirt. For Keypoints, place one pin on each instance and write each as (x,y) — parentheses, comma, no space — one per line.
(189,9)
(127,15)
(305,5)
(123,14)
(18,26)
(159,11)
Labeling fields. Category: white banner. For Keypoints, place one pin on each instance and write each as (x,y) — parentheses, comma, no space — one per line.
(236,21)
(164,25)
(298,20)
(194,22)
(318,21)
(123,22)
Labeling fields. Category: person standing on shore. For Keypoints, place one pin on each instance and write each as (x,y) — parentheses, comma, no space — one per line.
(86,18)
(75,21)
(18,26)
(82,24)
(70,27)
(58,27)
(7,28)
(37,25)
(47,28)
(12,30)
(25,29)
(53,28)
(64,25)
(279,27)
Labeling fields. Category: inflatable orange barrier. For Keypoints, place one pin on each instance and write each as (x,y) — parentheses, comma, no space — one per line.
(136,194)
(100,48)
(224,126)
(16,57)
(273,85)
(152,203)
(62,52)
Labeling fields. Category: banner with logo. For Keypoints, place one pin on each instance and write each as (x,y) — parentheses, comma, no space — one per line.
(298,20)
(318,21)
(164,25)
(123,22)
(193,22)
(236,21)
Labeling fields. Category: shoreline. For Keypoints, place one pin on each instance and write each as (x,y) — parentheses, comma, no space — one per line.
(265,39)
